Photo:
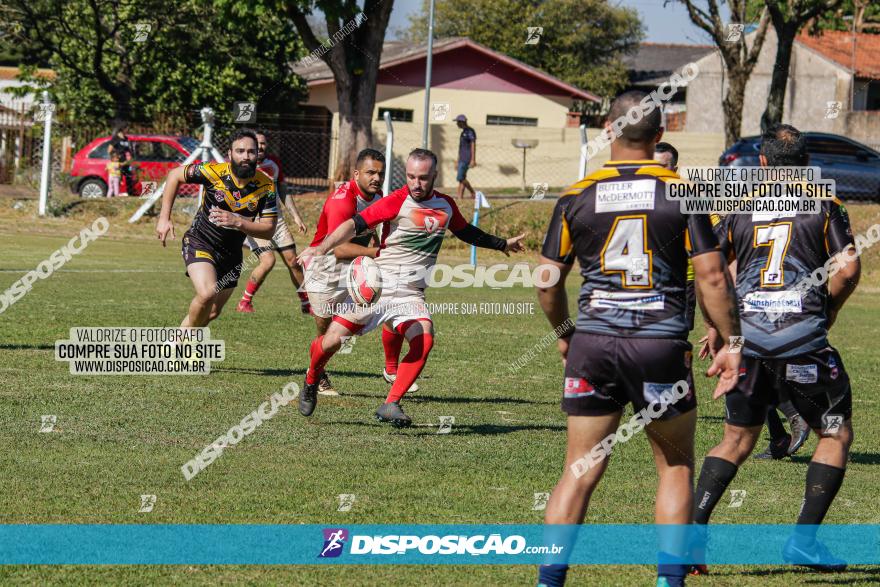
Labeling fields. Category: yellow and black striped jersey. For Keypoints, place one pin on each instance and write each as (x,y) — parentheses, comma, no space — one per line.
(255,197)
(633,247)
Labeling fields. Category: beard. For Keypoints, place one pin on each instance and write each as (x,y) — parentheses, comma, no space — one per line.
(244,169)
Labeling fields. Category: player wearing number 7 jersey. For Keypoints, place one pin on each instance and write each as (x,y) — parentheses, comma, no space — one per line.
(629,341)
(786,315)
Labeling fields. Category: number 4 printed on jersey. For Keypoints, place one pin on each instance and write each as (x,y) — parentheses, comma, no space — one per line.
(626,252)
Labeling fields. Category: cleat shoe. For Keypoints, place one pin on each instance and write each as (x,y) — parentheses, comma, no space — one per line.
(777,449)
(390,378)
(698,570)
(325,387)
(809,552)
(800,431)
(308,398)
(245,307)
(391,412)
(305,307)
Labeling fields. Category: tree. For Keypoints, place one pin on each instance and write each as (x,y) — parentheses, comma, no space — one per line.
(788,17)
(352,53)
(582,42)
(738,58)
(138,60)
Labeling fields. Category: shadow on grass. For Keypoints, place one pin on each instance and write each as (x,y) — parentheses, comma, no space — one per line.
(419,429)
(859,458)
(418,397)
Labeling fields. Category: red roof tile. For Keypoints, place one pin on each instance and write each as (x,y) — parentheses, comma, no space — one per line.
(838,47)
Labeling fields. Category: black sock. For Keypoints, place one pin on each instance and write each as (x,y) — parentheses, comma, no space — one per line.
(774,425)
(552,575)
(788,409)
(823,483)
(672,568)
(715,476)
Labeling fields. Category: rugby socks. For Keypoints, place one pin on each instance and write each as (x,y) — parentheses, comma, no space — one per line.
(823,483)
(392,342)
(774,425)
(318,358)
(552,575)
(672,569)
(249,290)
(788,409)
(411,366)
(715,476)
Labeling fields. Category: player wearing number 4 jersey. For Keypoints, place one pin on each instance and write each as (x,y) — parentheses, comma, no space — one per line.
(629,341)
(786,317)
(419,218)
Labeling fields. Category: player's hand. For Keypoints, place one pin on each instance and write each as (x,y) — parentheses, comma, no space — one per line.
(300,226)
(224,218)
(514,245)
(710,344)
(726,366)
(164,228)
(562,345)
(306,256)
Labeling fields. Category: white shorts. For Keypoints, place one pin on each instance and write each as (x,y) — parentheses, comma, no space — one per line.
(283,239)
(395,307)
(325,303)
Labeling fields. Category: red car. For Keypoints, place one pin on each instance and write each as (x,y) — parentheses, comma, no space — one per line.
(153,156)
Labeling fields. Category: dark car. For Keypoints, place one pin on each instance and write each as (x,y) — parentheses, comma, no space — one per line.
(855,167)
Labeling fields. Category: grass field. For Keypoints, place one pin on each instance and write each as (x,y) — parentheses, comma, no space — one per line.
(122,436)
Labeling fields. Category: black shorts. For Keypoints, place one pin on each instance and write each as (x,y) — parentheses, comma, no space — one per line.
(691,303)
(816,383)
(226,263)
(605,373)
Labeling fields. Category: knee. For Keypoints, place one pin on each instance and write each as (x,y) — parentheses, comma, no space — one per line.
(267,261)
(204,298)
(844,436)
(739,442)
(422,343)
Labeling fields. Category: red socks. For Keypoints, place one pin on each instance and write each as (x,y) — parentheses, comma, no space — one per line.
(318,358)
(411,366)
(249,290)
(392,342)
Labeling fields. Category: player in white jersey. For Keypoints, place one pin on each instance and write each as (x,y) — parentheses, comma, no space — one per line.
(419,218)
(281,241)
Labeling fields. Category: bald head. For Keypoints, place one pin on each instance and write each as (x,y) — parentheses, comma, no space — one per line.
(637,128)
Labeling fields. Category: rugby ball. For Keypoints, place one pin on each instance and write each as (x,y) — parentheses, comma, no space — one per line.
(364,281)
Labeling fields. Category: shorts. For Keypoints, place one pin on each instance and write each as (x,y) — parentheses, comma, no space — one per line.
(605,373)
(815,382)
(462,172)
(280,241)
(325,303)
(226,263)
(395,307)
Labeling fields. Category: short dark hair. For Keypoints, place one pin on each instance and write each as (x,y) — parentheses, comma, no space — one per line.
(242,133)
(667,148)
(641,132)
(369,154)
(784,145)
(423,154)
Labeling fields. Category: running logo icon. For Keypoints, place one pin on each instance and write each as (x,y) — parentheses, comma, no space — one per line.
(334,541)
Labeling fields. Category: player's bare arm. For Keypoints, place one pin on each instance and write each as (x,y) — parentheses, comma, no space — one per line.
(349,251)
(260,228)
(843,283)
(344,232)
(554,302)
(164,227)
(718,301)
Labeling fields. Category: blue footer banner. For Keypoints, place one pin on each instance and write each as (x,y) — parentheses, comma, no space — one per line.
(240,544)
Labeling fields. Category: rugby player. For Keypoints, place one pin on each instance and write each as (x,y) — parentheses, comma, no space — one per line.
(667,156)
(281,241)
(789,357)
(629,343)
(324,292)
(239,201)
(419,217)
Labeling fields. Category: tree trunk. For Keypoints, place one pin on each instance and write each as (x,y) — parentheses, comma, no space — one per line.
(785,35)
(355,124)
(733,105)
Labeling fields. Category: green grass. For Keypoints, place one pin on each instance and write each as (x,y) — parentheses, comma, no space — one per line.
(119,437)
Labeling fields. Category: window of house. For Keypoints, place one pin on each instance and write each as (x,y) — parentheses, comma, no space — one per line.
(496,120)
(397,114)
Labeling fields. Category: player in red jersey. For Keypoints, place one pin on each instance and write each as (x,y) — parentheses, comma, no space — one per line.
(419,218)
(324,291)
(281,241)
